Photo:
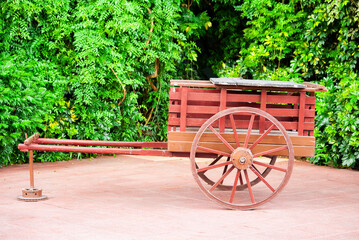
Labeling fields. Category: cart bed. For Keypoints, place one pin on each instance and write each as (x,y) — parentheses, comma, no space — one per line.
(191,103)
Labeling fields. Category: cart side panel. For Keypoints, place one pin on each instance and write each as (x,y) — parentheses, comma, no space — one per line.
(198,105)
(190,107)
(182,142)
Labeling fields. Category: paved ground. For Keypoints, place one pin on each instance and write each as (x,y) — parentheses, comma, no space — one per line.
(130,197)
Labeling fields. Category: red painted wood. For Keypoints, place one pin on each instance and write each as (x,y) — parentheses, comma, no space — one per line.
(240,97)
(57,148)
(221,179)
(234,186)
(208,84)
(250,126)
(102,143)
(249,186)
(241,124)
(221,138)
(263,180)
(213,166)
(203,103)
(209,150)
(263,107)
(261,137)
(222,106)
(302,114)
(270,151)
(183,112)
(270,166)
(234,128)
(276,112)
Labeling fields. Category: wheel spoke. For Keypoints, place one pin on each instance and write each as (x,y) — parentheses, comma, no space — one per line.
(214,161)
(221,179)
(261,137)
(213,166)
(214,151)
(225,168)
(235,185)
(270,166)
(251,121)
(249,186)
(270,151)
(234,129)
(240,178)
(263,180)
(221,138)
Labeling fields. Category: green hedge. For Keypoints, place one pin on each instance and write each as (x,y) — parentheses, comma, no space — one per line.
(56,70)
(315,40)
(57,57)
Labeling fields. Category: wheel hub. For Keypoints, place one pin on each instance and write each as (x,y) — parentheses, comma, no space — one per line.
(242,158)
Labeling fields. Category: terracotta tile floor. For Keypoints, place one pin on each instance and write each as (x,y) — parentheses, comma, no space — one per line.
(128,197)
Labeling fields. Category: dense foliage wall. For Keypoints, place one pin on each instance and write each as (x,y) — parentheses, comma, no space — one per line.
(315,40)
(56,60)
(100,69)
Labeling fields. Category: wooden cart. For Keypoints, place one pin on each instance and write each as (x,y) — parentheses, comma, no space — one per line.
(241,136)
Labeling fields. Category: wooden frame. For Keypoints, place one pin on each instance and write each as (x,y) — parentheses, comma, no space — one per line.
(191,103)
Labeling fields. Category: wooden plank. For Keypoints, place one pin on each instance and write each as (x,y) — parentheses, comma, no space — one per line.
(183,111)
(230,81)
(302,113)
(240,97)
(275,112)
(101,143)
(300,151)
(263,108)
(208,84)
(229,137)
(222,106)
(192,83)
(59,148)
(240,124)
(209,97)
(194,109)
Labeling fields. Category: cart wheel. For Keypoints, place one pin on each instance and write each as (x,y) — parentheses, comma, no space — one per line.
(240,185)
(242,167)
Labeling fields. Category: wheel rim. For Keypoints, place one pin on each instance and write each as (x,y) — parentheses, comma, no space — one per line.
(238,177)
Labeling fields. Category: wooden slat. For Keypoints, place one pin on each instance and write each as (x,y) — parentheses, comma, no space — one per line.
(202,103)
(263,107)
(302,113)
(208,84)
(183,109)
(239,97)
(222,106)
(302,151)
(194,109)
(229,137)
(275,112)
(197,122)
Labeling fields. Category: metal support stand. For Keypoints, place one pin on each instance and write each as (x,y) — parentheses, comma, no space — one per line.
(31,194)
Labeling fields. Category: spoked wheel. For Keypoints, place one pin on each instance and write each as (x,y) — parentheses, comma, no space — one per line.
(246,172)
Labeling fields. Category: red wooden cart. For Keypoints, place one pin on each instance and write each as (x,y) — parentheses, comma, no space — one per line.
(241,136)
